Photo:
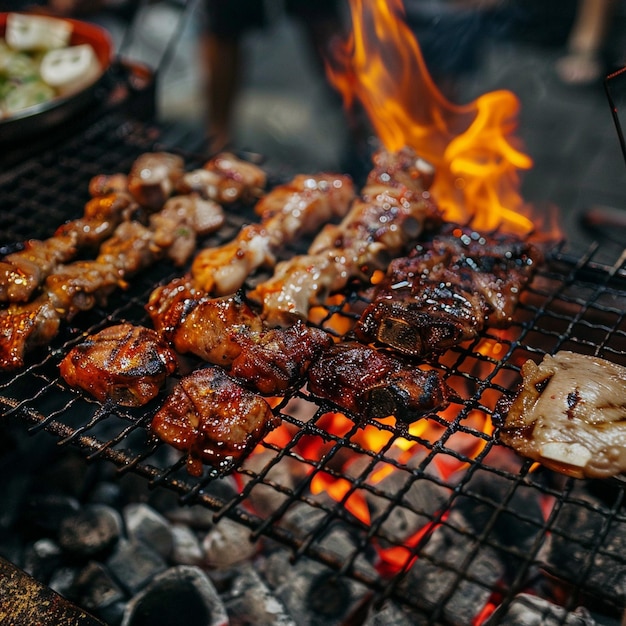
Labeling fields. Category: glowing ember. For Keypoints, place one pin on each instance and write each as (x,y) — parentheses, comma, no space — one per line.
(471,146)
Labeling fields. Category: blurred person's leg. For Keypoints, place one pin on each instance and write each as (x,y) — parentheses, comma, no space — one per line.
(222,64)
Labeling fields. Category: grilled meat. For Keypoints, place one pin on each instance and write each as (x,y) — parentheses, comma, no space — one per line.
(371,383)
(295,208)
(23,272)
(380,225)
(213,419)
(226,179)
(153,178)
(448,290)
(123,363)
(569,414)
(225,331)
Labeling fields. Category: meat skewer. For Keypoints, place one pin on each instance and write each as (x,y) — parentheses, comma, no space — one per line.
(212,418)
(371,383)
(80,285)
(123,363)
(569,414)
(394,209)
(448,290)
(296,208)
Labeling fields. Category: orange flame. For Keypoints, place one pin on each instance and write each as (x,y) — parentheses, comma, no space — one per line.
(471,146)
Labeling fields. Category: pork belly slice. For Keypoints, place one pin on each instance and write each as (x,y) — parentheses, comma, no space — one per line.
(213,418)
(569,414)
(448,290)
(123,363)
(371,383)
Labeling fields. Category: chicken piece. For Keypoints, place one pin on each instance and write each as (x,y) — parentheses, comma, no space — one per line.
(123,363)
(153,177)
(569,414)
(105,184)
(370,383)
(183,218)
(24,327)
(195,323)
(448,290)
(226,179)
(296,208)
(213,419)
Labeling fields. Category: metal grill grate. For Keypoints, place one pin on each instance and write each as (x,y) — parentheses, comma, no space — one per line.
(439,499)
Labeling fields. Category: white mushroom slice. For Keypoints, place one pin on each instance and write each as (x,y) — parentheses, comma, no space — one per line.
(36,32)
(70,69)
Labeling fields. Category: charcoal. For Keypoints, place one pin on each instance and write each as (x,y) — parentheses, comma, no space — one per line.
(195,516)
(48,511)
(301,518)
(339,542)
(392,615)
(42,558)
(94,530)
(179,595)
(516,526)
(227,543)
(580,530)
(97,592)
(436,581)
(63,580)
(527,610)
(107,492)
(250,601)
(144,524)
(186,549)
(313,594)
(134,563)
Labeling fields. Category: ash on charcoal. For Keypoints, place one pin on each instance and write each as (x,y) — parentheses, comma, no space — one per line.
(92,531)
(250,601)
(186,549)
(42,558)
(439,581)
(585,526)
(527,610)
(301,518)
(179,595)
(313,595)
(392,615)
(226,544)
(63,579)
(134,563)
(144,524)
(516,526)
(95,591)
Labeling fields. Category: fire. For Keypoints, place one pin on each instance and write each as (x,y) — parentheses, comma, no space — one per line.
(472,146)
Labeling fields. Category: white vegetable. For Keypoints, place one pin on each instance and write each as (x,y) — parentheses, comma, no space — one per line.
(36,32)
(70,69)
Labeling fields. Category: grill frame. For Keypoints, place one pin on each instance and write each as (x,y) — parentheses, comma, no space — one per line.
(571,299)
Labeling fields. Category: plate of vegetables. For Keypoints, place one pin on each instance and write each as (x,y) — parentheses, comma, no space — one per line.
(50,68)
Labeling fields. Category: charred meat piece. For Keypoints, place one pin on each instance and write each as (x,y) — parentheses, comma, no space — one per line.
(288,211)
(448,290)
(124,363)
(213,419)
(226,331)
(153,178)
(380,225)
(226,179)
(569,414)
(371,383)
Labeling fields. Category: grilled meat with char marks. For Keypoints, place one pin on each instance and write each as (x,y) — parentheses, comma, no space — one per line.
(124,363)
(371,383)
(212,418)
(448,290)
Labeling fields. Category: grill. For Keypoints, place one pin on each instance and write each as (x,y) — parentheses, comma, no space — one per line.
(445,516)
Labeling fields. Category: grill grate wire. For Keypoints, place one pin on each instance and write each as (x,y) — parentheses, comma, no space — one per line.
(573,303)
